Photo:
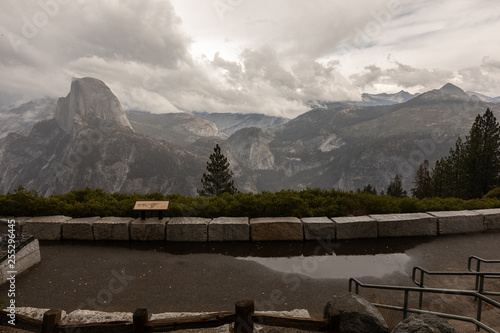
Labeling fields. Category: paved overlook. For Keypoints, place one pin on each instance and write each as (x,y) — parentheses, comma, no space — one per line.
(278,276)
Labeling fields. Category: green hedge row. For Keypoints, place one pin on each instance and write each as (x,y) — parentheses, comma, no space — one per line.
(305,203)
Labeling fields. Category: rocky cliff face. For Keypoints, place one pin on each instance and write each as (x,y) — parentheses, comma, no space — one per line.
(90,143)
(89,102)
(21,119)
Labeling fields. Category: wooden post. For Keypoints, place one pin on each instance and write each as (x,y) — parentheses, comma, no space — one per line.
(140,318)
(51,319)
(244,313)
(333,319)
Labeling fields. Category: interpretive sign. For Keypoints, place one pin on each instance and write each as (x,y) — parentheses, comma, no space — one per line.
(144,206)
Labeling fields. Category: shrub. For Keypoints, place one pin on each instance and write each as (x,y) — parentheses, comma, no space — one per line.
(304,203)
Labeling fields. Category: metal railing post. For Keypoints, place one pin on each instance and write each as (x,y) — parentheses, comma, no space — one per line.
(420,300)
(480,301)
(405,307)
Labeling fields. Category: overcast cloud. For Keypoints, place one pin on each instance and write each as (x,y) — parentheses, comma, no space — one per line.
(246,56)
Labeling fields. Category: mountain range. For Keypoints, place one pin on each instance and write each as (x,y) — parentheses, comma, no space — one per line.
(87,139)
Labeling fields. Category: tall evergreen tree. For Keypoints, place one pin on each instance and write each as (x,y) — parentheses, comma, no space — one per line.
(482,156)
(395,188)
(218,178)
(422,181)
(472,168)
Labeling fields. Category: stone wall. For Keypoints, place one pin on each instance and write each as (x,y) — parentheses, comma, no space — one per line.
(197,229)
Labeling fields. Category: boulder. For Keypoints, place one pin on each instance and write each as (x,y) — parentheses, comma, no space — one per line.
(276,229)
(91,316)
(424,323)
(357,314)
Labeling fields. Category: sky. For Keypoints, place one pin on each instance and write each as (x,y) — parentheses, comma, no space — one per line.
(275,57)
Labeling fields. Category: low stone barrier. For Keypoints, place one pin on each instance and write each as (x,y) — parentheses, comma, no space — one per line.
(45,227)
(196,229)
(229,229)
(151,229)
(276,229)
(27,255)
(79,229)
(459,222)
(318,228)
(352,227)
(401,225)
(187,229)
(112,228)
(491,218)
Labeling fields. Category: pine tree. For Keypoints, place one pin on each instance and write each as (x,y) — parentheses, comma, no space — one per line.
(472,169)
(482,156)
(369,189)
(218,178)
(395,188)
(422,181)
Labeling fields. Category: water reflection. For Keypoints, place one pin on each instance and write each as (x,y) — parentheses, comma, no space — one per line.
(336,267)
(267,249)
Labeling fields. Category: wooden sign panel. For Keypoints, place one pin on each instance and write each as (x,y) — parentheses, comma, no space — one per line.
(151,205)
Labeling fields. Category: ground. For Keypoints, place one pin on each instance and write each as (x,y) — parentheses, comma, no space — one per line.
(212,277)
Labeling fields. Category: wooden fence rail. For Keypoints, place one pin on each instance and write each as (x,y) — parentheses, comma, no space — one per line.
(243,318)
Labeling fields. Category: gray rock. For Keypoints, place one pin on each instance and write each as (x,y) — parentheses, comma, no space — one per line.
(112,228)
(401,225)
(187,229)
(229,229)
(45,227)
(491,218)
(353,227)
(91,316)
(150,229)
(27,257)
(424,323)
(459,222)
(18,224)
(357,315)
(35,313)
(276,229)
(318,228)
(80,229)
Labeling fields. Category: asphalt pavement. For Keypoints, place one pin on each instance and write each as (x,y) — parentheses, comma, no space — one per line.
(115,276)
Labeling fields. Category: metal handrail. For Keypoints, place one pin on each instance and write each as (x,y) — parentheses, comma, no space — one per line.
(406,290)
(479,277)
(478,263)
(478,266)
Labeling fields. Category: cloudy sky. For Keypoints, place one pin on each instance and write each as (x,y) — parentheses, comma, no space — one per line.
(264,56)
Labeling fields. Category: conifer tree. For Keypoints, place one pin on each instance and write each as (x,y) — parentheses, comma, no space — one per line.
(395,188)
(422,181)
(472,169)
(218,178)
(482,156)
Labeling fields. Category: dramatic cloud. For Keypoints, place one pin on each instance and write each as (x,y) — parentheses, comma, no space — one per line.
(246,56)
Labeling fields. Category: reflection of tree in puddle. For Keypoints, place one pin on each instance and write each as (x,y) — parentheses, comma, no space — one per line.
(337,267)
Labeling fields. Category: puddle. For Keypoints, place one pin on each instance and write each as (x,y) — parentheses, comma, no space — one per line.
(315,259)
(336,267)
